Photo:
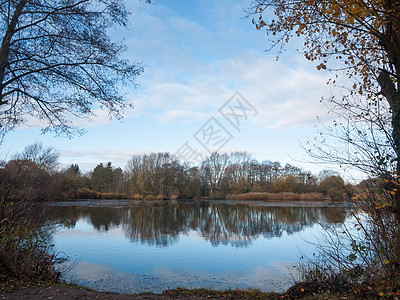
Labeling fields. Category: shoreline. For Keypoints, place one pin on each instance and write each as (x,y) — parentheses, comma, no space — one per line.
(303,290)
(256,202)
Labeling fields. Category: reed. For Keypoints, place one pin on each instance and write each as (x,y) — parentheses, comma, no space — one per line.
(85,193)
(275,197)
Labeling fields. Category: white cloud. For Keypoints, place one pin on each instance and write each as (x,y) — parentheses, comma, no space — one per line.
(194,66)
(173,116)
(283,96)
(89,159)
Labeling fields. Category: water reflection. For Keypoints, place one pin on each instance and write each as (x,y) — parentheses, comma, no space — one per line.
(219,223)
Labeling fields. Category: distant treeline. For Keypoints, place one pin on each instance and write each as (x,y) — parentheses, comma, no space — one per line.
(35,174)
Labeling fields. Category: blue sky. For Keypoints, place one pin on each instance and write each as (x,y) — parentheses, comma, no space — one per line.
(197,55)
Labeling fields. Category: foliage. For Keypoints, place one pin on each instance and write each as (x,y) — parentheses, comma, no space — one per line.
(288,183)
(219,175)
(33,175)
(106,178)
(364,254)
(362,35)
(58,62)
(360,40)
(25,252)
(334,187)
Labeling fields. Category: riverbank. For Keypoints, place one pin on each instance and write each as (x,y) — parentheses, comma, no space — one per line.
(67,293)
(307,290)
(83,194)
(284,196)
(17,289)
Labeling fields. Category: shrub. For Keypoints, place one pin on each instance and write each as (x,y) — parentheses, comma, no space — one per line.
(25,251)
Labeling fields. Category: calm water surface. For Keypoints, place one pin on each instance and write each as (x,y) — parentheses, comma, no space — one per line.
(130,247)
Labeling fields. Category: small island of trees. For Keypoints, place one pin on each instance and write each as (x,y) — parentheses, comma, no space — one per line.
(161,176)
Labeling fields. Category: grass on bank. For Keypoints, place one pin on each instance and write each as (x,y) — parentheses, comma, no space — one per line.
(305,290)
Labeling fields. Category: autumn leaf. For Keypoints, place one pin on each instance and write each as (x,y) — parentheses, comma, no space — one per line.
(321,66)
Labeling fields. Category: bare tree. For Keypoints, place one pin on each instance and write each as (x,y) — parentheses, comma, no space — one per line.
(45,158)
(215,167)
(57,61)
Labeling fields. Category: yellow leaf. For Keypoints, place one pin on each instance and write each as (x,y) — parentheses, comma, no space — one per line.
(321,66)
(385,261)
(302,290)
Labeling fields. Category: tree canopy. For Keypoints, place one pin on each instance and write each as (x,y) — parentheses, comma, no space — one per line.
(57,61)
(363,35)
(362,40)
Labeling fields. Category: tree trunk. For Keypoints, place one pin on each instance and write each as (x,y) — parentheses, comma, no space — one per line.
(396,140)
(5,45)
(389,91)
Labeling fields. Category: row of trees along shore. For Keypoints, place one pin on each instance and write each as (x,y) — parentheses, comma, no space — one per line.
(163,176)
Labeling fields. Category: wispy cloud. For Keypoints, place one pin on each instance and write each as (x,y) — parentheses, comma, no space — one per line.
(88,159)
(284,96)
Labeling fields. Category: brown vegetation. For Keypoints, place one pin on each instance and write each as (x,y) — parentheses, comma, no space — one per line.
(24,249)
(276,197)
(85,193)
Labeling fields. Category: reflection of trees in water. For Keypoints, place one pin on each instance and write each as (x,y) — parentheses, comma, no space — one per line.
(239,224)
(236,225)
(102,218)
(158,225)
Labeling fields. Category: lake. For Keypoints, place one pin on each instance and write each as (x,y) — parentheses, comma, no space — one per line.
(130,246)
